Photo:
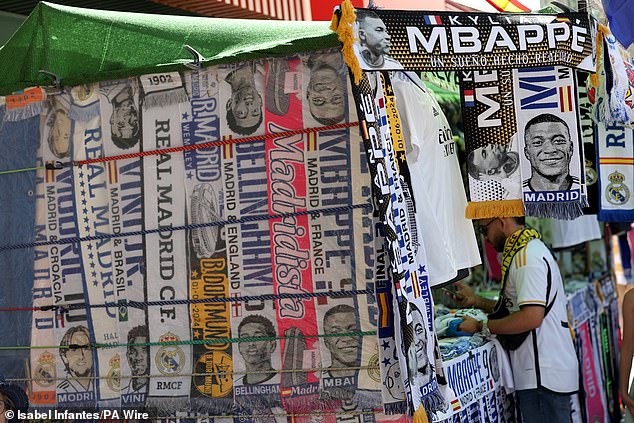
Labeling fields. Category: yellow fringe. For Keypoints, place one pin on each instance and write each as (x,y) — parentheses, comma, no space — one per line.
(489,209)
(344,27)
(594,77)
(420,415)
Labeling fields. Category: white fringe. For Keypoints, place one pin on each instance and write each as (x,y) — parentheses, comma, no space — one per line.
(164,98)
(26,112)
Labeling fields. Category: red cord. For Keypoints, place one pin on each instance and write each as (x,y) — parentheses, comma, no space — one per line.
(215,143)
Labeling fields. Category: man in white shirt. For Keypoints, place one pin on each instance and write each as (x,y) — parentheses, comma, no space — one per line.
(543,359)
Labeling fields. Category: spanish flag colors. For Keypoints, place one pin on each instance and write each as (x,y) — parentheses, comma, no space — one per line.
(508,6)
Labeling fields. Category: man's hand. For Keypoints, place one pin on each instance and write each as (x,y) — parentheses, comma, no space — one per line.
(465,296)
(470,325)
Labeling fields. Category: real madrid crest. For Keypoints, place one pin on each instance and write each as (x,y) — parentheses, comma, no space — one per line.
(170,359)
(373,368)
(114,374)
(591,174)
(45,373)
(617,192)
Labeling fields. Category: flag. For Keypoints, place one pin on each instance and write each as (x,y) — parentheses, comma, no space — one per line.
(565,98)
(620,15)
(433,20)
(508,6)
(113,176)
(312,141)
(455,405)
(468,98)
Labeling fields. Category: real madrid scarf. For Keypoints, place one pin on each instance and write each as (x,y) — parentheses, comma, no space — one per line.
(615,146)
(389,171)
(76,389)
(553,184)
(163,102)
(121,132)
(92,200)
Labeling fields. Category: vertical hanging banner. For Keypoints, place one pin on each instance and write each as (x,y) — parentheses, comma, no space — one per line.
(394,209)
(588,135)
(121,132)
(492,147)
(43,362)
(418,40)
(93,219)
(256,364)
(290,248)
(164,101)
(207,246)
(616,172)
(595,406)
(75,369)
(550,138)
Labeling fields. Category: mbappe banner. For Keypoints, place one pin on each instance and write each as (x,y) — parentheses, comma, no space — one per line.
(432,41)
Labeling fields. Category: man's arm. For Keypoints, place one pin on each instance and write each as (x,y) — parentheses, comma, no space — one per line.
(465,296)
(527,318)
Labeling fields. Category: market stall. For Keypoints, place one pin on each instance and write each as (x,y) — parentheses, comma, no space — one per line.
(252,228)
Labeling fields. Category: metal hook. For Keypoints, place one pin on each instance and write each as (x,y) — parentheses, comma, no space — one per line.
(57,82)
(198,58)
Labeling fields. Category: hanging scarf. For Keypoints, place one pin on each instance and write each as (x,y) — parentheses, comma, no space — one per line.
(415,337)
(546,107)
(126,214)
(164,102)
(27,272)
(493,155)
(514,243)
(611,87)
(616,172)
(595,406)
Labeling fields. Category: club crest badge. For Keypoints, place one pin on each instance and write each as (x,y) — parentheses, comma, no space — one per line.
(114,374)
(373,368)
(170,359)
(45,373)
(591,174)
(217,368)
(617,192)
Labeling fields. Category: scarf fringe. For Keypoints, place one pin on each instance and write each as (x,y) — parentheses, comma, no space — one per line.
(344,27)
(166,406)
(26,112)
(257,402)
(496,208)
(368,399)
(214,406)
(84,113)
(562,211)
(395,408)
(164,98)
(307,403)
